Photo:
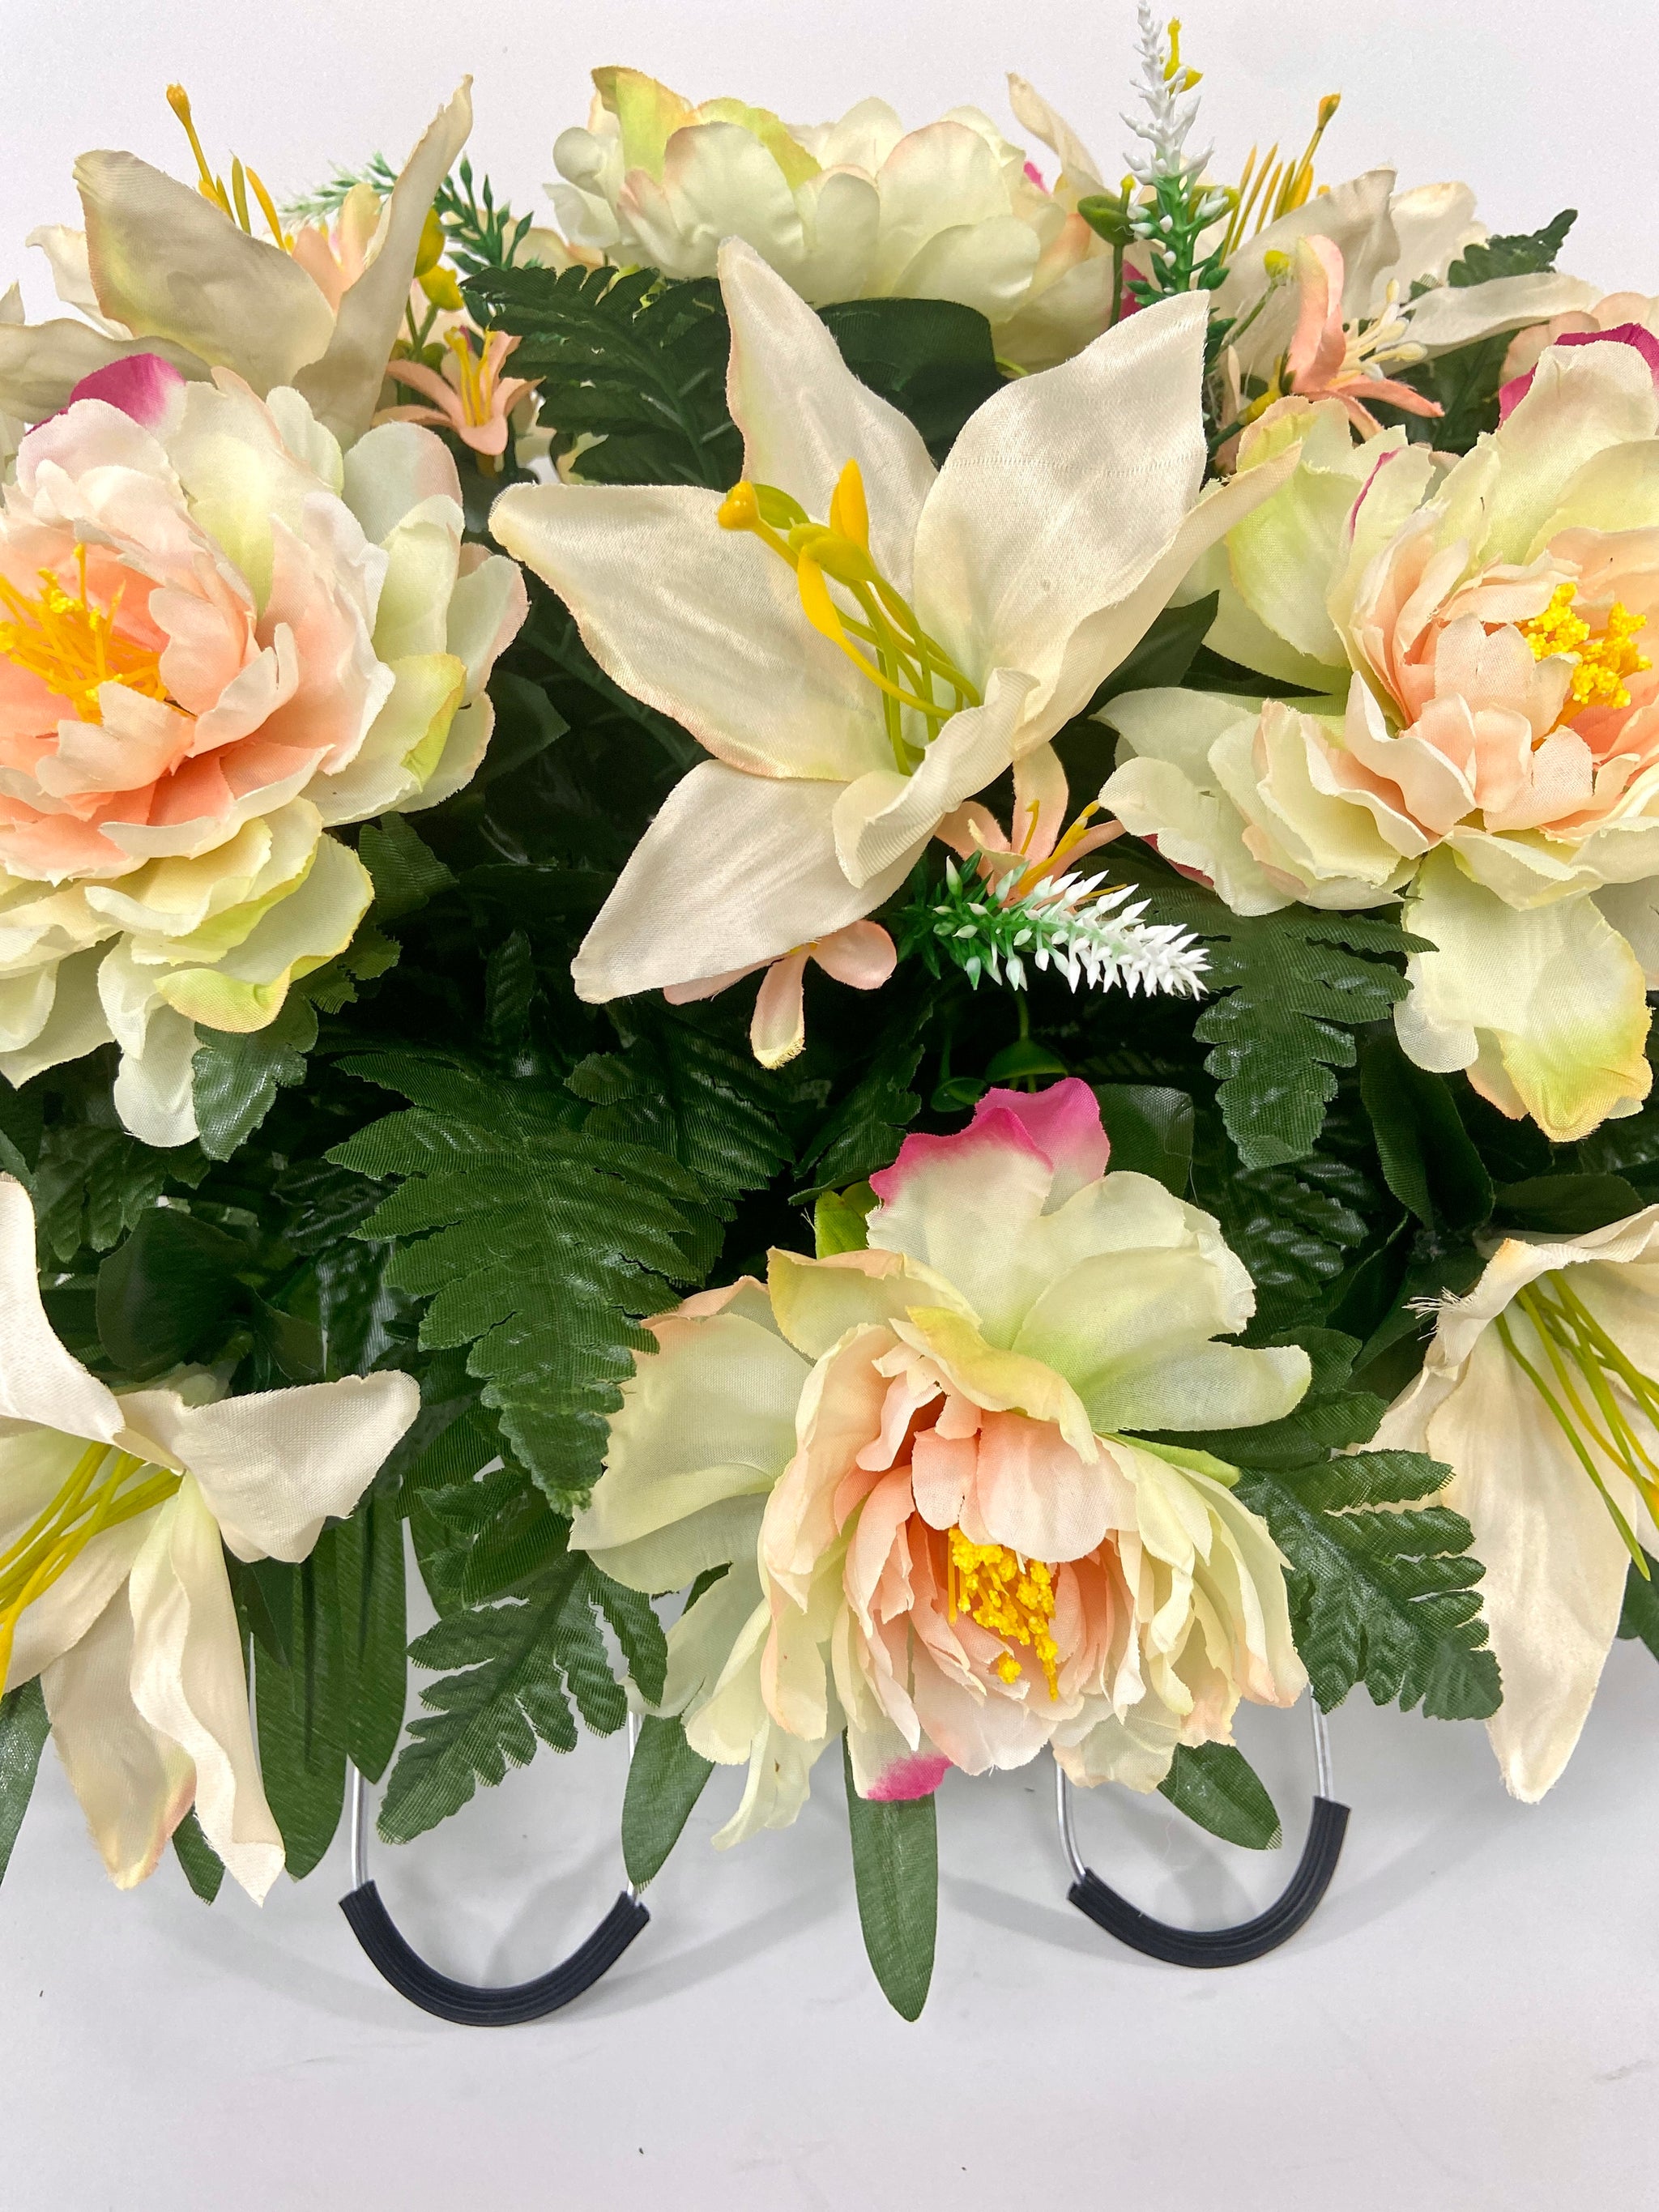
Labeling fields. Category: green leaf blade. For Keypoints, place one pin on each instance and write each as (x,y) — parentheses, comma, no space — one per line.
(895,1874)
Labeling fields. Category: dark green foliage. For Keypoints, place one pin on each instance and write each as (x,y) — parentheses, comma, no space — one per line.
(1527,254)
(536,1243)
(1639,1618)
(203,1869)
(1215,1785)
(508,1674)
(1378,1596)
(895,1874)
(235,1078)
(1565,1205)
(1288,991)
(1429,1160)
(665,1778)
(164,1296)
(301,1701)
(931,359)
(405,872)
(1297,1228)
(1151,1131)
(23,1731)
(681,1088)
(863,1134)
(627,358)
(93,1184)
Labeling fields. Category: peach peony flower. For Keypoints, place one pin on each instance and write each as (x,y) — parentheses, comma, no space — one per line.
(1489,742)
(915,1459)
(217,638)
(1631,316)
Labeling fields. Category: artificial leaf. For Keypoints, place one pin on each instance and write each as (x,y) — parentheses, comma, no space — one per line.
(169,1294)
(665,1778)
(513,1665)
(864,1133)
(1215,1785)
(234,1078)
(537,1245)
(1379,1594)
(1429,1160)
(203,1869)
(1526,253)
(1638,1619)
(404,870)
(23,1731)
(625,358)
(1151,1131)
(1566,1204)
(931,359)
(92,1185)
(367,1559)
(840,1220)
(895,1874)
(303,1709)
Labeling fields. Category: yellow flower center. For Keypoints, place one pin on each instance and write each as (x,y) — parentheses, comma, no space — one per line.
(1592,1392)
(1604,657)
(72,646)
(98,1493)
(1014,1598)
(233,203)
(883,639)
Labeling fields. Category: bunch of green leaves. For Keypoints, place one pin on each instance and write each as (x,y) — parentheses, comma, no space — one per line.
(1466,380)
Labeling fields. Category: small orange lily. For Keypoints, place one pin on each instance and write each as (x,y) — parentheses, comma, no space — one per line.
(1329,359)
(470,397)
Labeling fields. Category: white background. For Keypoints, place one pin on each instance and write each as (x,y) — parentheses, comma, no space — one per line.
(1472,2021)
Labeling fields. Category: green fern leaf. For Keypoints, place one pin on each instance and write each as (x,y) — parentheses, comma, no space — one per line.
(507,1673)
(536,1244)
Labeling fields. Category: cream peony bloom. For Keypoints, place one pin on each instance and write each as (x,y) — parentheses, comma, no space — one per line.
(1030,564)
(1615,312)
(165,268)
(113,1510)
(1488,743)
(850,210)
(913,1459)
(1538,1393)
(217,638)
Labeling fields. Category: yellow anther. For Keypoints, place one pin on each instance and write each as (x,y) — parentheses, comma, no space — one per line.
(72,646)
(849,511)
(233,203)
(880,634)
(98,1493)
(1014,1598)
(1604,658)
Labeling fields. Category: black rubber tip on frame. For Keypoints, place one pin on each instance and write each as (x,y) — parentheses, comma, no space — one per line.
(1225,1947)
(468,2007)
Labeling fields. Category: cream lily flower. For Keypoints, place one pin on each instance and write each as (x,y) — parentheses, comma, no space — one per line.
(1387,240)
(1538,1392)
(113,1510)
(994,596)
(855,210)
(912,1457)
(1489,741)
(166,268)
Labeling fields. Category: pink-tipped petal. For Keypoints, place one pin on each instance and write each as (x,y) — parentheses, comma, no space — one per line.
(988,1132)
(861,954)
(778,1031)
(918,1776)
(1064,1123)
(1511,395)
(142,385)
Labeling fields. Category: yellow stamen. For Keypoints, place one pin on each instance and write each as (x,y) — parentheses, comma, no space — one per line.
(1586,1364)
(72,646)
(55,1539)
(1014,1598)
(905,666)
(1604,658)
(233,203)
(1272,188)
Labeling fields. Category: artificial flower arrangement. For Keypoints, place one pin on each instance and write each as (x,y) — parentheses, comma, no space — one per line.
(1174,650)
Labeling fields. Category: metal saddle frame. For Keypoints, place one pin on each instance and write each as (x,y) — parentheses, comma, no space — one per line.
(398,1961)
(1219,1947)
